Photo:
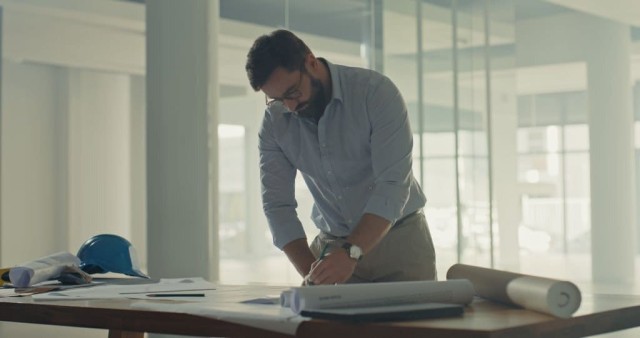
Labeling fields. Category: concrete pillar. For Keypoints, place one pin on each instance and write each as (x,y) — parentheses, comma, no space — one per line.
(138,168)
(182,104)
(611,151)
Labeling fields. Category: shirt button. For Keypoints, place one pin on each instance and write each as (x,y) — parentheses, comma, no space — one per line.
(340,197)
(329,172)
(324,145)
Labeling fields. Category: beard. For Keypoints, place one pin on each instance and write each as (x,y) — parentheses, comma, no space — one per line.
(314,107)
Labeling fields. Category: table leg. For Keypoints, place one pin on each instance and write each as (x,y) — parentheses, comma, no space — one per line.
(125,334)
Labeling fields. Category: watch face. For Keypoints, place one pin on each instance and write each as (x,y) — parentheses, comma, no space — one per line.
(355,252)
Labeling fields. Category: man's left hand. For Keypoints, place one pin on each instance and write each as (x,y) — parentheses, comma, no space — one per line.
(336,267)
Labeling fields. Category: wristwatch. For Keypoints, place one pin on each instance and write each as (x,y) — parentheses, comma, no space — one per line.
(353,250)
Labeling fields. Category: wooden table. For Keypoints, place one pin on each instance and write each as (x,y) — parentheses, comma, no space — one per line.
(598,314)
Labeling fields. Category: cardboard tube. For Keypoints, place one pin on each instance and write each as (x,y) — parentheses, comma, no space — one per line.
(551,296)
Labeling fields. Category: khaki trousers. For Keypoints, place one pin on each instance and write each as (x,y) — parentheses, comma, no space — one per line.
(406,253)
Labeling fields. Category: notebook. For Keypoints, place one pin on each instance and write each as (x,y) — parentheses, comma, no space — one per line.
(387,313)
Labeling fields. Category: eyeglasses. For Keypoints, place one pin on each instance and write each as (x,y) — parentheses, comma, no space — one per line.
(292,94)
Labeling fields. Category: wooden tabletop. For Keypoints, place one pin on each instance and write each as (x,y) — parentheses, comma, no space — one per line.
(597,314)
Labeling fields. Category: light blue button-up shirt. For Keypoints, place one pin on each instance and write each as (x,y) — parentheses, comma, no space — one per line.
(355,160)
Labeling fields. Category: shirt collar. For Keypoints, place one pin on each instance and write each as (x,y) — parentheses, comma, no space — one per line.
(336,89)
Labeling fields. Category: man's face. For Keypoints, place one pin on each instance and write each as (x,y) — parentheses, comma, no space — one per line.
(299,91)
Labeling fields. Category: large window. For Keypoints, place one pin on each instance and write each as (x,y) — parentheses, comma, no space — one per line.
(500,121)
(337,30)
(553,171)
(502,97)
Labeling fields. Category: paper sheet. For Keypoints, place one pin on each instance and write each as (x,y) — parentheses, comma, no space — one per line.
(229,303)
(42,269)
(136,291)
(551,296)
(380,294)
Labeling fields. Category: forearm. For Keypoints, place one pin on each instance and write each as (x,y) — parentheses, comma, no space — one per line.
(300,255)
(369,232)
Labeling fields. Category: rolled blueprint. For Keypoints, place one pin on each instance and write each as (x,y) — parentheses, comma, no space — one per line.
(380,294)
(551,296)
(42,269)
(285,298)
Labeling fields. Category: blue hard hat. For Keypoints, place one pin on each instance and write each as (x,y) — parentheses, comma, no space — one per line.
(109,253)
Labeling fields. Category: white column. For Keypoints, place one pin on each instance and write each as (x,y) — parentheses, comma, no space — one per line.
(611,151)
(138,168)
(182,102)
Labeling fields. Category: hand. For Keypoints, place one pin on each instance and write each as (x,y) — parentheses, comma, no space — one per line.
(306,281)
(336,267)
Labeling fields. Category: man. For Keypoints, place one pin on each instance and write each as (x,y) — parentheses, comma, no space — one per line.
(347,131)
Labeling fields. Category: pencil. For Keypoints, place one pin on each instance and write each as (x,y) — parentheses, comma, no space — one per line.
(324,251)
(175,295)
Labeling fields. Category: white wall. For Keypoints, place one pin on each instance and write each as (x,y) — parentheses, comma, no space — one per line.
(72,133)
(66,159)
(99,155)
(65,166)
(32,210)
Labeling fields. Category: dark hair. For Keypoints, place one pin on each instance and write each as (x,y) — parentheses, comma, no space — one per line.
(281,48)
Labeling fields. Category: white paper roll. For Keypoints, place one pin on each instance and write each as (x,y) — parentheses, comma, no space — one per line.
(285,298)
(559,298)
(381,294)
(551,296)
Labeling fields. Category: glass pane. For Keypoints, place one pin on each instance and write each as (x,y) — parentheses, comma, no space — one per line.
(576,137)
(400,64)
(247,252)
(439,144)
(578,211)
(472,137)
(472,143)
(539,139)
(542,203)
(232,189)
(440,188)
(474,208)
(436,101)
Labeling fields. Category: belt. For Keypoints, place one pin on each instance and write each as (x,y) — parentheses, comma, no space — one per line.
(397,224)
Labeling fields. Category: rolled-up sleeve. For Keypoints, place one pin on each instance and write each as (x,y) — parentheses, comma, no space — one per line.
(277,176)
(391,148)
